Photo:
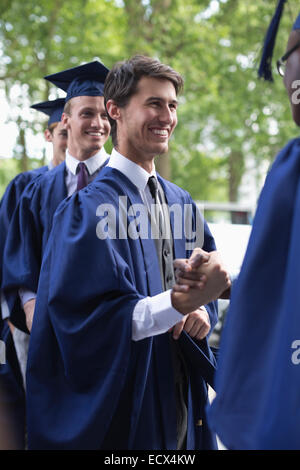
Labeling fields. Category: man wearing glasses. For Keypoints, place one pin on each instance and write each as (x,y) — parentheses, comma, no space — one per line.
(258,379)
(289,68)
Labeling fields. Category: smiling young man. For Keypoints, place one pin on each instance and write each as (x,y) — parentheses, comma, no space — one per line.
(146,123)
(55,133)
(85,120)
(102,328)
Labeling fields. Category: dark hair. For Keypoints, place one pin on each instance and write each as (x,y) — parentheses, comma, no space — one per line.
(122,81)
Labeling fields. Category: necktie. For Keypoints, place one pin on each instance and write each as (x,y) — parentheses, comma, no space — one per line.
(153,187)
(82,176)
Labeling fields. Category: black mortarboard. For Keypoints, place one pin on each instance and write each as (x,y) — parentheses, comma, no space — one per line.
(84,80)
(53,109)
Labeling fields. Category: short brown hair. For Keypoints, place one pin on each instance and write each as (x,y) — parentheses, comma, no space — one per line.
(52,127)
(122,81)
(67,107)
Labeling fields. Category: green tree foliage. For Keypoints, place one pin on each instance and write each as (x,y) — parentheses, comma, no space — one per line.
(229,121)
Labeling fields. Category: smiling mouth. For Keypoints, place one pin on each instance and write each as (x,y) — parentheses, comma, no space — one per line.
(95,134)
(160,132)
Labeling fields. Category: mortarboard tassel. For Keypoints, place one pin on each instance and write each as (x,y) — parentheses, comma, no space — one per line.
(265,69)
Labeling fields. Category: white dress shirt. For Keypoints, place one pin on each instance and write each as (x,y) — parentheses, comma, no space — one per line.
(93,164)
(151,315)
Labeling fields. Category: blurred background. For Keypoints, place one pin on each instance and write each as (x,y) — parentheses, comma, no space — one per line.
(231,125)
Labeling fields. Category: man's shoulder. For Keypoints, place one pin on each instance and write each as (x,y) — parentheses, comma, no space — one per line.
(110,181)
(45,180)
(24,178)
(292,145)
(51,174)
(288,156)
(20,184)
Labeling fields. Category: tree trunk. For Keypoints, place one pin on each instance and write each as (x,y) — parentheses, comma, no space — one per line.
(236,171)
(22,144)
(163,167)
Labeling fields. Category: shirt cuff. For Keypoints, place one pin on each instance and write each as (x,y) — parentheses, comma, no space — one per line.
(153,316)
(26,295)
(4,307)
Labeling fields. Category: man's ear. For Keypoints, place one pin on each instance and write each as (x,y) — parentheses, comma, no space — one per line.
(48,135)
(113,110)
(65,120)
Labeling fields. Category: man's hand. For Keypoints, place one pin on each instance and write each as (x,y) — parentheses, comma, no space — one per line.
(216,281)
(11,326)
(196,324)
(29,311)
(186,271)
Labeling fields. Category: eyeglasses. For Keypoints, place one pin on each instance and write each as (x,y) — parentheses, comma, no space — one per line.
(281,63)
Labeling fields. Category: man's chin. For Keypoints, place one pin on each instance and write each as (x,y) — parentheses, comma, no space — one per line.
(95,148)
(163,149)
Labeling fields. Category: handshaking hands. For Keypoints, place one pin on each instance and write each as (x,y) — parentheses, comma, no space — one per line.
(199,280)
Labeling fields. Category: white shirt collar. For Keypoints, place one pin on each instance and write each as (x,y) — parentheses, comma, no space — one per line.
(93,163)
(135,173)
(50,165)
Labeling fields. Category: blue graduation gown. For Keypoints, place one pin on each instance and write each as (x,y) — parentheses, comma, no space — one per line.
(258,379)
(10,201)
(27,237)
(12,394)
(11,382)
(89,385)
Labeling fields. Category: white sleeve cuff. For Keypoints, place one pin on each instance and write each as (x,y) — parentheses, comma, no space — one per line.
(26,295)
(153,316)
(4,307)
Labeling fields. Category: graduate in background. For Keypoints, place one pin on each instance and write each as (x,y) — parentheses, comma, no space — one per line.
(12,373)
(86,122)
(55,132)
(257,383)
(57,135)
(104,372)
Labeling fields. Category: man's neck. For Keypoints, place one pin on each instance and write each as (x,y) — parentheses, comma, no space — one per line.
(82,155)
(147,164)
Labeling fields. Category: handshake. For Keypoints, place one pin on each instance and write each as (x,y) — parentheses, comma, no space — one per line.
(199,280)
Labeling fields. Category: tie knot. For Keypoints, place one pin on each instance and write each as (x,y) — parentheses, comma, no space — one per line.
(153,186)
(81,167)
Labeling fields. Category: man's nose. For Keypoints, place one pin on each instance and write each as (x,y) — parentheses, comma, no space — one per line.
(166,115)
(96,121)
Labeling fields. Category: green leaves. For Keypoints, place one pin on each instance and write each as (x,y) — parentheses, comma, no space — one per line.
(229,121)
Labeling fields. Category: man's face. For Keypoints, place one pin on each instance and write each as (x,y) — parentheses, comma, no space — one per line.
(59,139)
(292,76)
(146,123)
(87,125)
